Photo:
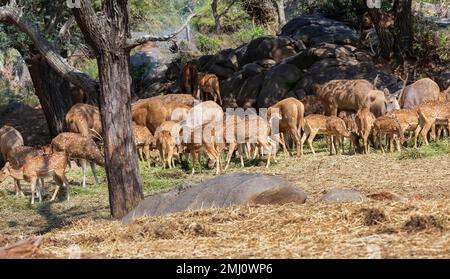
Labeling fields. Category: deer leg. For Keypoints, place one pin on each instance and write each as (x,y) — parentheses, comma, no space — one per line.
(229,154)
(83,169)
(425,130)
(33,188)
(302,142)
(416,134)
(310,141)
(147,154)
(240,147)
(282,141)
(18,188)
(94,172)
(380,142)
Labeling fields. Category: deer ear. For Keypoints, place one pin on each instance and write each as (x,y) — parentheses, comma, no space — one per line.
(386,92)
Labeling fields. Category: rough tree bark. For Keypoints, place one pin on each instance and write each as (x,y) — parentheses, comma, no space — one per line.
(399,42)
(107,35)
(52,91)
(403,29)
(281,14)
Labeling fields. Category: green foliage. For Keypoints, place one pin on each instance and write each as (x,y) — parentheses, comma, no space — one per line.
(429,42)
(208,45)
(234,20)
(90,67)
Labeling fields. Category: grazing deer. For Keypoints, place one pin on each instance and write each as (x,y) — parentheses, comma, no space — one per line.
(78,147)
(389,127)
(208,83)
(408,118)
(39,167)
(17,157)
(421,91)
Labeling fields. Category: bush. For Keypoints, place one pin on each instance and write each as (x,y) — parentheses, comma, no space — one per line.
(208,45)
(429,42)
(246,35)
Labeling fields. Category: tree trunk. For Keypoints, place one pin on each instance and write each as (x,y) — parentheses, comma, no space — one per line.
(107,35)
(281,13)
(385,37)
(52,92)
(403,29)
(122,167)
(216,16)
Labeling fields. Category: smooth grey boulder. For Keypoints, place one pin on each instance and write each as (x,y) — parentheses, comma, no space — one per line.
(342,196)
(219,192)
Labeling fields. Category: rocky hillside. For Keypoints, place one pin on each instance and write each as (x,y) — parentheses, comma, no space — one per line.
(309,49)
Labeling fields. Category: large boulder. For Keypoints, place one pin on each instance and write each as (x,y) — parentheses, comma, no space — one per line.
(224,191)
(278,82)
(316,29)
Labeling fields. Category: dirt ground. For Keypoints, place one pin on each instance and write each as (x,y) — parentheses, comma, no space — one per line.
(407,215)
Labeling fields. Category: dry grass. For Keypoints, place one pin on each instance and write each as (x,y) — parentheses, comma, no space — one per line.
(289,231)
(407,215)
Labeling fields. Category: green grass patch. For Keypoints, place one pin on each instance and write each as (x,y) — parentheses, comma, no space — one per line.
(438,148)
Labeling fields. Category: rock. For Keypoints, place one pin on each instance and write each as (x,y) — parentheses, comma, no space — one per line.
(444,80)
(252,69)
(316,29)
(219,192)
(342,196)
(277,83)
(270,47)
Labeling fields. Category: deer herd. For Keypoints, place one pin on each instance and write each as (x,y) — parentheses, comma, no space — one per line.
(175,127)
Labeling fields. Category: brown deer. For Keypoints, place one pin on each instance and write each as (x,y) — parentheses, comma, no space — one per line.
(39,167)
(364,121)
(431,113)
(189,78)
(353,95)
(9,139)
(18,156)
(143,139)
(289,114)
(408,118)
(208,84)
(337,131)
(421,91)
(389,127)
(78,147)
(152,112)
(166,146)
(84,119)
(334,127)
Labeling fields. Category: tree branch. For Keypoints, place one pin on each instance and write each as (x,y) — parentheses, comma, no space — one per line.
(134,42)
(65,28)
(90,23)
(13,15)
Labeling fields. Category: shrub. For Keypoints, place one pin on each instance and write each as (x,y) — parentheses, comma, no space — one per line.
(208,45)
